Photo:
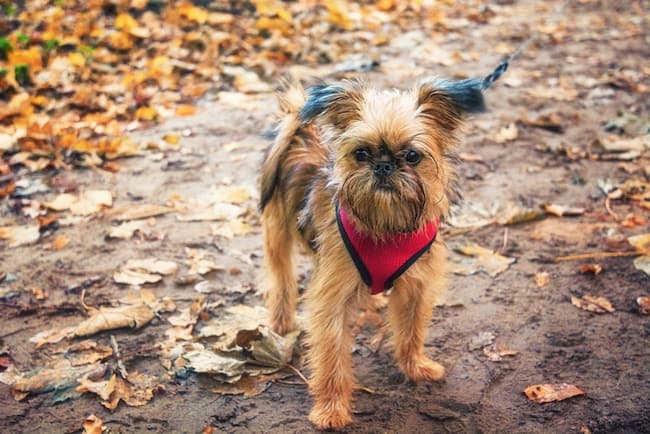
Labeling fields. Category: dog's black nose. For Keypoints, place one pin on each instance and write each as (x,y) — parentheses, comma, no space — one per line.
(384,168)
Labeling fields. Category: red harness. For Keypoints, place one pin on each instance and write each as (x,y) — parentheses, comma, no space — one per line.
(380,263)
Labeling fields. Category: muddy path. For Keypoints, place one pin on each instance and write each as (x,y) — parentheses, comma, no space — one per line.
(606,355)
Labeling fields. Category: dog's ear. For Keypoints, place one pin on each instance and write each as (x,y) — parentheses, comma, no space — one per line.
(445,102)
(338,104)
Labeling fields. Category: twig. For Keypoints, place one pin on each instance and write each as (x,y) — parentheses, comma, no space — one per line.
(596,255)
(609,209)
(505,241)
(365,389)
(120,364)
(297,371)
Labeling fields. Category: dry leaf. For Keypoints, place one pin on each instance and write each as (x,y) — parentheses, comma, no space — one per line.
(644,305)
(38,293)
(231,229)
(496,352)
(592,304)
(102,388)
(59,242)
(596,269)
(20,235)
(561,210)
(542,279)
(507,134)
(51,336)
(127,229)
(482,259)
(87,203)
(556,93)
(542,393)
(93,425)
(59,376)
(199,264)
(137,212)
(642,263)
(132,315)
(152,265)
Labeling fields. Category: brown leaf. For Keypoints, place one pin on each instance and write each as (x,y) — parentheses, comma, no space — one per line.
(644,305)
(137,212)
(482,259)
(542,279)
(93,425)
(592,304)
(596,269)
(542,393)
(20,235)
(561,210)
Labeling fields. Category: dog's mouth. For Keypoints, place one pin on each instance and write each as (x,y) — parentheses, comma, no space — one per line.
(384,185)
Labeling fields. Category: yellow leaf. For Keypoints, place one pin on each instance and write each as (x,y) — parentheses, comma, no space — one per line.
(172,139)
(120,41)
(77,59)
(30,57)
(185,110)
(125,22)
(146,114)
(386,5)
(193,13)
(59,242)
(337,14)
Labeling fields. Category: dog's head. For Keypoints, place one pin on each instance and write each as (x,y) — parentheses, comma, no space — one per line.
(390,148)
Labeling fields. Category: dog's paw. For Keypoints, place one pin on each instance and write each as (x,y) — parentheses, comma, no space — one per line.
(330,415)
(283,324)
(423,368)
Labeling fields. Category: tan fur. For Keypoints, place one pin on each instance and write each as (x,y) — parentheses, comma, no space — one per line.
(311,166)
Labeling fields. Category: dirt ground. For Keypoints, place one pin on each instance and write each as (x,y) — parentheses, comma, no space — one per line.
(606,355)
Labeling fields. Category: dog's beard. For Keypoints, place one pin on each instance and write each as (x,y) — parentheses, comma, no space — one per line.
(384,206)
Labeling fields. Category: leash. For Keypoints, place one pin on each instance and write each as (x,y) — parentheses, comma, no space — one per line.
(503,65)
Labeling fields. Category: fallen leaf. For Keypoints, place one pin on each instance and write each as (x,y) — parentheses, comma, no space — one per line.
(93,425)
(135,391)
(592,304)
(199,264)
(59,242)
(641,243)
(642,263)
(231,229)
(87,203)
(135,277)
(542,393)
(127,229)
(59,376)
(20,235)
(514,214)
(135,314)
(562,210)
(152,265)
(102,388)
(496,352)
(217,211)
(542,279)
(507,133)
(38,293)
(644,305)
(137,212)
(481,259)
(596,269)
(51,336)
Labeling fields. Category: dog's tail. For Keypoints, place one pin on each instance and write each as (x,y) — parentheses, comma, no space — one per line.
(291,102)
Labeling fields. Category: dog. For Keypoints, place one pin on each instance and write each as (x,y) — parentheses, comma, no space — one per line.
(361,178)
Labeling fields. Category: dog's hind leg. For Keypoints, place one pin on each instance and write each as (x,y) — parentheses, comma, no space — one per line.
(281,287)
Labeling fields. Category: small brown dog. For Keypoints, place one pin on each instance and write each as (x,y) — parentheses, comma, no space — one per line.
(361,178)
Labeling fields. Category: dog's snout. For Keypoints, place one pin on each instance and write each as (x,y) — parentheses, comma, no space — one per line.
(384,168)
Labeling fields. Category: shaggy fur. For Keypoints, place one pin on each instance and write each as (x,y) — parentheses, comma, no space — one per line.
(329,146)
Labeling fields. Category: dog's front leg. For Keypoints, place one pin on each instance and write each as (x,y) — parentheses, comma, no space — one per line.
(410,307)
(331,303)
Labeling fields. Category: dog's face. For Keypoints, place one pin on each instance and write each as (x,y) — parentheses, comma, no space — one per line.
(389,163)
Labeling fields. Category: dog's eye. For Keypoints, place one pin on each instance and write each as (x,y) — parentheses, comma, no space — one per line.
(413,157)
(362,154)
